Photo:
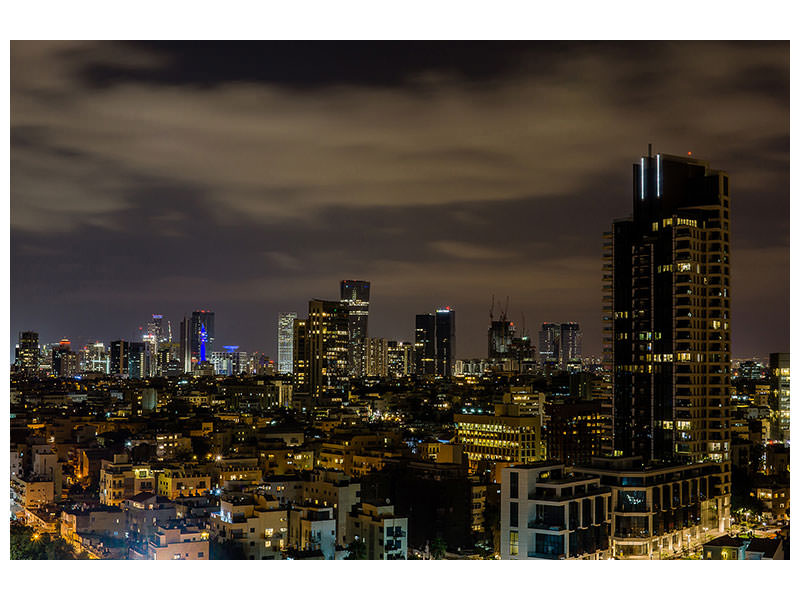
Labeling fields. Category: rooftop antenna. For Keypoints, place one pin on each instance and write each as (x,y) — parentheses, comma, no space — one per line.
(649,150)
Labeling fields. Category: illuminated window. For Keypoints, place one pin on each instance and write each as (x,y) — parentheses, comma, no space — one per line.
(513,543)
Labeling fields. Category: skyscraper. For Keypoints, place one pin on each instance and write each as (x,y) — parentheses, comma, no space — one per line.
(118,363)
(425,344)
(327,337)
(355,295)
(667,296)
(27,352)
(136,360)
(779,366)
(185,351)
(301,358)
(201,340)
(570,345)
(285,341)
(65,362)
(549,343)
(445,341)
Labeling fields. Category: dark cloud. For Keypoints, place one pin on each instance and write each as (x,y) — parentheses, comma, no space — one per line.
(250,177)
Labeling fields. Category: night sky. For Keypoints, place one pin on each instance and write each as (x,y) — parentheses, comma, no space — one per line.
(249,177)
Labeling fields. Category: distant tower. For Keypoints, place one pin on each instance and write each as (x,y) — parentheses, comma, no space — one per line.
(445,341)
(27,352)
(285,341)
(201,336)
(354,294)
(571,343)
(425,344)
(549,343)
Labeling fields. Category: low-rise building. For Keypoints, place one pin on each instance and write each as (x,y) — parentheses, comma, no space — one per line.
(737,548)
(176,542)
(549,512)
(176,482)
(659,511)
(313,527)
(256,522)
(384,534)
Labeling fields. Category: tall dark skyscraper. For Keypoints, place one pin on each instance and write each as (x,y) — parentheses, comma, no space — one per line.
(445,341)
(27,352)
(425,345)
(570,345)
(501,332)
(550,343)
(201,336)
(327,337)
(118,362)
(185,348)
(136,360)
(435,343)
(667,321)
(355,295)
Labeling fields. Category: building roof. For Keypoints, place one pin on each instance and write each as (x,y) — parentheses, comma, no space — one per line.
(767,547)
(727,542)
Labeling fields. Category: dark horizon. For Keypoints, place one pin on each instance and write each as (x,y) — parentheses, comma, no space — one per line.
(248,178)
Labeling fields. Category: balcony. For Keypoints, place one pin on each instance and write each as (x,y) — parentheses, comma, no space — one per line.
(546,525)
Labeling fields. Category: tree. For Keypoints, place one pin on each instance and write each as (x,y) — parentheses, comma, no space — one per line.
(357,550)
(438,548)
(27,544)
(222,549)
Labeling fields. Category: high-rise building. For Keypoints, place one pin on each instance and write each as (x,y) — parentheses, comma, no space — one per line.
(201,340)
(27,352)
(136,360)
(667,296)
(376,357)
(285,341)
(65,362)
(779,367)
(355,295)
(118,363)
(549,343)
(570,345)
(445,341)
(501,332)
(185,357)
(425,344)
(400,359)
(96,358)
(327,334)
(301,358)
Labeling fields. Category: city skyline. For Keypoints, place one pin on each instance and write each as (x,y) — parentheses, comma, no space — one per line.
(440,175)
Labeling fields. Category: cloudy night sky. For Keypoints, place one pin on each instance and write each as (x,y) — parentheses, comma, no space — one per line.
(247,178)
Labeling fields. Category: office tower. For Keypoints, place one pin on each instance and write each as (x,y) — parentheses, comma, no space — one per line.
(549,343)
(118,363)
(400,359)
(501,332)
(136,360)
(27,352)
(445,341)
(201,336)
(570,345)
(301,358)
(185,357)
(285,341)
(667,295)
(327,333)
(65,362)
(355,295)
(376,357)
(96,358)
(779,395)
(425,344)
(151,337)
(230,362)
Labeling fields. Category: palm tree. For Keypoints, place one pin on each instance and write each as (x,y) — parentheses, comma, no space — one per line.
(438,548)
(357,550)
